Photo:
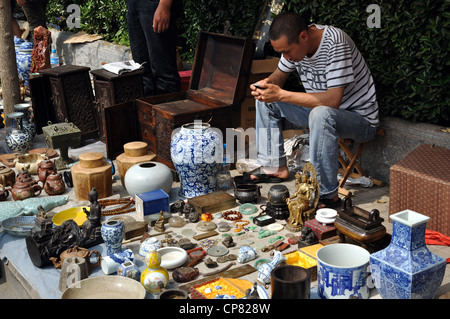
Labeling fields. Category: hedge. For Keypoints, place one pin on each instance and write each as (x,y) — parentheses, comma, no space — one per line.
(408,54)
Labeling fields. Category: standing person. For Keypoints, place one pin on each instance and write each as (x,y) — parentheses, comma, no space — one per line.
(35,13)
(339,102)
(15,25)
(153,40)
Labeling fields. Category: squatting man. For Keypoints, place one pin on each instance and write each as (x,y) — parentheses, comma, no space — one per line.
(339,99)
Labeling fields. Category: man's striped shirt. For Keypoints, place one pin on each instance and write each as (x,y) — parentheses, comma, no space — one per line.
(336,63)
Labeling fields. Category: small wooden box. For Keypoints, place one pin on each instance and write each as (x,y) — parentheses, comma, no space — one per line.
(151,202)
(213,202)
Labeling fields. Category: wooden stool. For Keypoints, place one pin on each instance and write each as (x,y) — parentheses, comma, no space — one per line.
(352,168)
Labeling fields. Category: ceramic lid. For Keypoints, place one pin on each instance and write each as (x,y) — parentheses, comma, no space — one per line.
(26,46)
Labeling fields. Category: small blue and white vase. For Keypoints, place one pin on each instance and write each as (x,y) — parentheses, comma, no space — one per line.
(112,232)
(110,264)
(27,124)
(130,270)
(406,269)
(246,253)
(23,59)
(17,139)
(265,270)
(196,150)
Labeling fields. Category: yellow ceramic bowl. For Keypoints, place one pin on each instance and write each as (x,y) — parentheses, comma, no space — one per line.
(75,213)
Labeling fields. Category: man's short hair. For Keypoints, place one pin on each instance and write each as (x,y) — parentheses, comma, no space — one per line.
(289,24)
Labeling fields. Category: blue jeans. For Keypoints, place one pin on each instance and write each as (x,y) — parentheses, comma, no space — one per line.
(325,125)
(157,50)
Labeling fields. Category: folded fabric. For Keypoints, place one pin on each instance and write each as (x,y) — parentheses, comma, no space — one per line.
(435,238)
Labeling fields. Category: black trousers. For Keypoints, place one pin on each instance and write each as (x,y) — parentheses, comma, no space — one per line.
(157,50)
(35,13)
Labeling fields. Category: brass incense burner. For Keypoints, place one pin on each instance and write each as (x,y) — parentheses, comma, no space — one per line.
(62,136)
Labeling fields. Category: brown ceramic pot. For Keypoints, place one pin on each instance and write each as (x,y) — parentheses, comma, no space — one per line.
(7,176)
(45,168)
(54,184)
(25,188)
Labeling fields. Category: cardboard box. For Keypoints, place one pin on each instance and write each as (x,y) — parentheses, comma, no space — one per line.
(151,202)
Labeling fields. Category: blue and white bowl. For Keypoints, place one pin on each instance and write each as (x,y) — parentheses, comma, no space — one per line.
(342,271)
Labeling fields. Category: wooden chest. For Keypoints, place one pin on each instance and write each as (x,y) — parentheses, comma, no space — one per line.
(218,84)
(69,97)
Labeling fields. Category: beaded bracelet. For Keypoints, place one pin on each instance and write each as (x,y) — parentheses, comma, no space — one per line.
(226,214)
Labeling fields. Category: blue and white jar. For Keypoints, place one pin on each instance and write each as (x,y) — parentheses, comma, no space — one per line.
(23,59)
(17,139)
(196,150)
(342,271)
(27,124)
(406,269)
(17,42)
(112,232)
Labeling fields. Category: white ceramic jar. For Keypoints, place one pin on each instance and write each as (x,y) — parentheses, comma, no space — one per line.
(148,176)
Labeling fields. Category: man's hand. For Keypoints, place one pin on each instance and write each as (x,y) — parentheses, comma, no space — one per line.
(265,91)
(21,2)
(161,19)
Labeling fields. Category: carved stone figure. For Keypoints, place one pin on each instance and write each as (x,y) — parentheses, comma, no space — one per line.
(91,228)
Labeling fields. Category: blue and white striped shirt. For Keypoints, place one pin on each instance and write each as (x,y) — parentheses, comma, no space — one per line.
(336,63)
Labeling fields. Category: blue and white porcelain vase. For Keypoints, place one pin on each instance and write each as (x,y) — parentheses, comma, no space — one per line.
(17,139)
(112,232)
(406,269)
(27,123)
(17,42)
(23,59)
(265,270)
(196,150)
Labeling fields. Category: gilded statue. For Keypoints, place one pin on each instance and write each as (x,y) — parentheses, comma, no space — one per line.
(304,201)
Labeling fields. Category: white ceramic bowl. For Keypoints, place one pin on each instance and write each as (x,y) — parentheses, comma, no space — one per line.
(327,213)
(172,257)
(342,271)
(105,287)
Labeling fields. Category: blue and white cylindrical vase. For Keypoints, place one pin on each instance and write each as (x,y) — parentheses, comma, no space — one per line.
(406,269)
(196,150)
(17,139)
(27,123)
(342,271)
(23,60)
(112,232)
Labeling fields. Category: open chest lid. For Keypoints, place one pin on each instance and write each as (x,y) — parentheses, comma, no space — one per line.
(221,67)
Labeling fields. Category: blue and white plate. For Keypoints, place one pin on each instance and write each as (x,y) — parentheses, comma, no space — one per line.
(19,226)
